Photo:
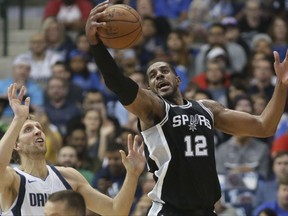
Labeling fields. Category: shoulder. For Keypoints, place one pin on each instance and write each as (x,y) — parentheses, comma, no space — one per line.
(214,106)
(72,176)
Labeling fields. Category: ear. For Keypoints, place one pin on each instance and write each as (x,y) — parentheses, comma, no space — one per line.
(178,79)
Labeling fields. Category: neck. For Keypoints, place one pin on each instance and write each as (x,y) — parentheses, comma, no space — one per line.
(58,103)
(34,167)
(38,56)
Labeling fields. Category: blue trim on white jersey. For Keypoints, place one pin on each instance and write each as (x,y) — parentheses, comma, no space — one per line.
(22,190)
(63,180)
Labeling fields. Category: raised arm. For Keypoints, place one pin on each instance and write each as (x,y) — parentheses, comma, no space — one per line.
(134,163)
(240,123)
(143,103)
(8,177)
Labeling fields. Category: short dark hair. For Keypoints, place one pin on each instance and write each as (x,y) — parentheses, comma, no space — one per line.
(73,201)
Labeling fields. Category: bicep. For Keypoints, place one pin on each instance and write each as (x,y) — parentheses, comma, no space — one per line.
(235,122)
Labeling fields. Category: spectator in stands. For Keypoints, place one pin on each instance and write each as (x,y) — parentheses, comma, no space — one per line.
(278,205)
(98,135)
(152,44)
(216,37)
(175,11)
(233,33)
(279,144)
(83,46)
(178,55)
(56,37)
(41,58)
(72,13)
(81,76)
(203,13)
(267,188)
(261,43)
(252,20)
(62,71)
(68,157)
(279,33)
(21,70)
(77,138)
(58,108)
(262,78)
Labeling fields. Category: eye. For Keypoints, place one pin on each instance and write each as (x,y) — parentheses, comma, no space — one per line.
(28,129)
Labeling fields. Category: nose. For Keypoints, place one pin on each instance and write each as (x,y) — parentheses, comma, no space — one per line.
(159,75)
(37,131)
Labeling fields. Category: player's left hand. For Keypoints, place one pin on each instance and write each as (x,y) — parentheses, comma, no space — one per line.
(281,68)
(93,23)
(135,161)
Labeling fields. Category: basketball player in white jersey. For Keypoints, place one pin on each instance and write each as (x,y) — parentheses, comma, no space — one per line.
(24,190)
(178,133)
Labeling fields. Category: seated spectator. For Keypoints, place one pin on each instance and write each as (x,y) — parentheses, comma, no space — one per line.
(81,76)
(75,93)
(262,78)
(279,33)
(56,37)
(73,14)
(267,188)
(278,205)
(252,20)
(261,43)
(236,55)
(41,58)
(68,157)
(77,138)
(21,70)
(58,108)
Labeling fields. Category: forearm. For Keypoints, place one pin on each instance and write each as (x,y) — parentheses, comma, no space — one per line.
(124,199)
(124,87)
(274,109)
(8,141)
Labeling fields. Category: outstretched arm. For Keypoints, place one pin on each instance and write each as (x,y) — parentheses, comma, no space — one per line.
(8,177)
(134,163)
(143,103)
(240,123)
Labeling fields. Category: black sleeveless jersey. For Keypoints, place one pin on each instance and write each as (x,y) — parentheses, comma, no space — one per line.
(180,153)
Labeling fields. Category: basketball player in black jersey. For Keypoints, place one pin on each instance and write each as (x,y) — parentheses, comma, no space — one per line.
(179,133)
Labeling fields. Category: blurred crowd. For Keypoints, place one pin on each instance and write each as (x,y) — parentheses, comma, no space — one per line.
(221,50)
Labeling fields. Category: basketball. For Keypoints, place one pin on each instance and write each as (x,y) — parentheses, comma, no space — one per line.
(123,27)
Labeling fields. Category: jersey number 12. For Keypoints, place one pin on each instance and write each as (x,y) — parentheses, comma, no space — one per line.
(200,146)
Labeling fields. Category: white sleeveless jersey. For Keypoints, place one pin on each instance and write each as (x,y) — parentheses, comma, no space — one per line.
(33,192)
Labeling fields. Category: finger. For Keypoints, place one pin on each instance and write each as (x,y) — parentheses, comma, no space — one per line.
(21,93)
(276,57)
(135,144)
(27,101)
(100,7)
(14,90)
(10,92)
(123,156)
(130,142)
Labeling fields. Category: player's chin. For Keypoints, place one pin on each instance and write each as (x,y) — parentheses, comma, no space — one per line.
(164,94)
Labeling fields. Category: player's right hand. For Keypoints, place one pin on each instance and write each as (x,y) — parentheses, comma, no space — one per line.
(15,102)
(92,22)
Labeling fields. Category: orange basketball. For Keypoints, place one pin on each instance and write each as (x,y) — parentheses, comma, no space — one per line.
(123,27)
